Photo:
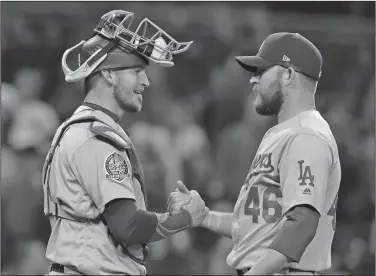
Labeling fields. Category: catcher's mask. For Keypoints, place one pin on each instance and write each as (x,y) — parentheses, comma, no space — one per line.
(115,45)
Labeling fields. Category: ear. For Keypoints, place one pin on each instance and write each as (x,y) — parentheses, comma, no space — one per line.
(109,77)
(288,76)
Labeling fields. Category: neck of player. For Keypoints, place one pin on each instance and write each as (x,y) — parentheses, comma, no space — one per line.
(102,99)
(295,104)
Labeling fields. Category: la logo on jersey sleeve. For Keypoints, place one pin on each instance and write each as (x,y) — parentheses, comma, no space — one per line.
(306,178)
(116,167)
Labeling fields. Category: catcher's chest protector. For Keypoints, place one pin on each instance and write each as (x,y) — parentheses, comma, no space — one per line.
(100,126)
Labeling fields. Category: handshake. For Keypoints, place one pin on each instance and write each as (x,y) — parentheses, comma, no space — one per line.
(190,201)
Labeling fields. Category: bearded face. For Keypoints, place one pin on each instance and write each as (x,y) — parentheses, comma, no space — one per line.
(269,97)
(130,84)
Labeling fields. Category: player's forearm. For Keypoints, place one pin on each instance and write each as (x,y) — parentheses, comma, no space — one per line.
(218,222)
(170,224)
(130,225)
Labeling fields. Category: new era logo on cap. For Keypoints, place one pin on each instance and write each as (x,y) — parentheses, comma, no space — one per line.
(285,58)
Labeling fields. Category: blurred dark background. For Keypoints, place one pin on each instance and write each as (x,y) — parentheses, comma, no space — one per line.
(198,122)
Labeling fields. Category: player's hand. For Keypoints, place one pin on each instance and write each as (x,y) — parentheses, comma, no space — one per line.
(190,201)
(180,197)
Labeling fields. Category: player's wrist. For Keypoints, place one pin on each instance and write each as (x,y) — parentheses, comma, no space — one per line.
(170,224)
(204,216)
(208,220)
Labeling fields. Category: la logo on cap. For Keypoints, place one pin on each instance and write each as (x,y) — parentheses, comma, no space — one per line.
(285,58)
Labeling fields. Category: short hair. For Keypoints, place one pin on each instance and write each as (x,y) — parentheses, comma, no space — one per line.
(309,83)
(90,81)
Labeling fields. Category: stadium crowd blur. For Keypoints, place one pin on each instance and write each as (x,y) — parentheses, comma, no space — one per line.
(197,124)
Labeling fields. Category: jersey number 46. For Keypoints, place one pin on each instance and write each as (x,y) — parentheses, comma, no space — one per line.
(253,208)
(332,212)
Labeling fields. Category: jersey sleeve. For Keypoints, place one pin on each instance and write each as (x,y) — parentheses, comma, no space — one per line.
(104,171)
(304,170)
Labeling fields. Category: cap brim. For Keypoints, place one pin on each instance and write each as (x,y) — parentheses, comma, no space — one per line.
(253,63)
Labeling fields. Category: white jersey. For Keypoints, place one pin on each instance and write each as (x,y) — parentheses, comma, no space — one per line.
(296,163)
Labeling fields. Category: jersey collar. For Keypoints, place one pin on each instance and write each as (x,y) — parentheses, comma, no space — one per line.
(104,110)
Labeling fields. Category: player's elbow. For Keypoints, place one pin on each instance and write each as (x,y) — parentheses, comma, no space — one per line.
(297,232)
(128,224)
(140,228)
(127,233)
(122,230)
(307,219)
(302,220)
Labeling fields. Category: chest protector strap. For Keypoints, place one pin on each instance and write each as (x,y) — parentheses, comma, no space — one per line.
(50,206)
(100,126)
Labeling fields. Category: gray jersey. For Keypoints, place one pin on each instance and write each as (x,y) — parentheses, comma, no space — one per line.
(297,163)
(87,173)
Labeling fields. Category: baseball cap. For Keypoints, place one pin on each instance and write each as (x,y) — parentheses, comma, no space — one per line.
(287,50)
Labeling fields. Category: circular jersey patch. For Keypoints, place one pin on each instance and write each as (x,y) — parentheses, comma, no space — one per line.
(116,167)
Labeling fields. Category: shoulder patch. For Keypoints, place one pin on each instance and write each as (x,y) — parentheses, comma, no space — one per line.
(116,167)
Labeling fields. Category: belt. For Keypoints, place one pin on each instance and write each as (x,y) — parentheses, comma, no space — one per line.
(286,270)
(241,272)
(57,268)
(63,269)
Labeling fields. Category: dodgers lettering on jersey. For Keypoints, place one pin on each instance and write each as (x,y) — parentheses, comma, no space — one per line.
(296,163)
